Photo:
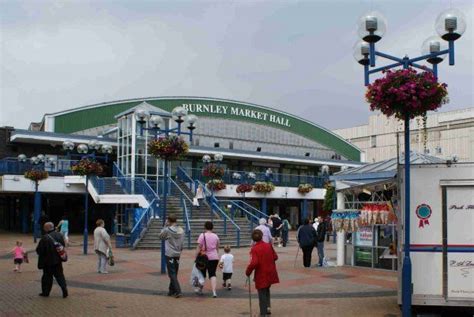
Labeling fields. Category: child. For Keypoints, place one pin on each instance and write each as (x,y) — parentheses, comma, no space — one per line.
(18,255)
(225,264)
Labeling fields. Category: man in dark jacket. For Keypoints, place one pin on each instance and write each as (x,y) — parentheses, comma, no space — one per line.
(49,260)
(306,237)
(321,233)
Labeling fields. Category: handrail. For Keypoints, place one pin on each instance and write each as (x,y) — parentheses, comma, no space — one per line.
(139,228)
(188,226)
(227,218)
(233,203)
(262,214)
(183,175)
(179,188)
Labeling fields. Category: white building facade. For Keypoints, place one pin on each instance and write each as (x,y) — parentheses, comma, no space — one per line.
(448,135)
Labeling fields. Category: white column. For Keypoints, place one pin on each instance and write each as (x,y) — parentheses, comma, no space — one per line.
(341,235)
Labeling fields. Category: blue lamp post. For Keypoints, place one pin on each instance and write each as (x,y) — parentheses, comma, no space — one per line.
(83,151)
(450,25)
(38,162)
(156,125)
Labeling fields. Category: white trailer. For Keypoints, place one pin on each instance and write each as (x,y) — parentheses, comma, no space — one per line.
(441,235)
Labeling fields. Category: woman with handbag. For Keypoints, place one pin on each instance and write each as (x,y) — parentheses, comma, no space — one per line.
(102,246)
(208,255)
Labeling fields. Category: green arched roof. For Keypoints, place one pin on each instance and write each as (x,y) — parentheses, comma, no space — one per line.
(91,116)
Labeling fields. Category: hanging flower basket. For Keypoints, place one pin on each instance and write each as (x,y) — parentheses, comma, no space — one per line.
(213,171)
(168,147)
(87,167)
(244,188)
(36,175)
(404,92)
(216,184)
(305,188)
(263,187)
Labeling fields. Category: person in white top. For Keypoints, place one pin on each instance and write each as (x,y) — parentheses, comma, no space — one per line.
(199,196)
(316,223)
(267,235)
(226,264)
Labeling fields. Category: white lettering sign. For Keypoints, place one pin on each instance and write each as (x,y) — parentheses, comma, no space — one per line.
(237,111)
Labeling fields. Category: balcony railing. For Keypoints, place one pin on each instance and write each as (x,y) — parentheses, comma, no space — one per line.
(278,179)
(13,167)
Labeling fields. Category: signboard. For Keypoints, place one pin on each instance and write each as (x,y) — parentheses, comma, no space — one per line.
(460,218)
(364,237)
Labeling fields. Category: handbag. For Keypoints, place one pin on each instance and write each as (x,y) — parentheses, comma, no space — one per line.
(195,202)
(25,258)
(202,259)
(111,258)
(59,249)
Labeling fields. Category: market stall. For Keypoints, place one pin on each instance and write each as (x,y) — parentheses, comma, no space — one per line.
(368,215)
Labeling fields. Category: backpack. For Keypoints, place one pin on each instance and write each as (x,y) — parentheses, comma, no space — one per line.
(59,249)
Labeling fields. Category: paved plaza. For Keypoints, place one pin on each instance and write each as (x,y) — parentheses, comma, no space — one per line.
(136,287)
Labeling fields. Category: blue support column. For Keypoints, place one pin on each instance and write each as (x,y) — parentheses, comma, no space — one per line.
(165,197)
(372,54)
(264,206)
(37,214)
(406,268)
(86,216)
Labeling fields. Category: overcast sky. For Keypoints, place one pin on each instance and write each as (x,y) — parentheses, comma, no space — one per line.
(294,56)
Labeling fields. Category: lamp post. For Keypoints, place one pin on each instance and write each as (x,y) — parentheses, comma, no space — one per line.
(450,25)
(38,163)
(83,151)
(156,124)
(206,159)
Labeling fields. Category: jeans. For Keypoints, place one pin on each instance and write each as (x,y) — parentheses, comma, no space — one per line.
(102,262)
(307,255)
(264,300)
(47,279)
(284,237)
(321,252)
(172,266)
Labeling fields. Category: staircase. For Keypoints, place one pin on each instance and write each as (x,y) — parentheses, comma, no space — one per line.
(223,227)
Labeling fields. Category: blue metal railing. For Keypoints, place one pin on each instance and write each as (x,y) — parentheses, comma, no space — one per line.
(218,211)
(185,200)
(14,167)
(278,179)
(141,225)
(137,186)
(235,208)
(258,213)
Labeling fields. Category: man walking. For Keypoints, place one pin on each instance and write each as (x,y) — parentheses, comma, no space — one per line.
(306,237)
(174,238)
(320,233)
(49,260)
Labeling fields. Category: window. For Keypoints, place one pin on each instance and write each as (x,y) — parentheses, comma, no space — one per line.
(216,144)
(373,141)
(231,145)
(259,149)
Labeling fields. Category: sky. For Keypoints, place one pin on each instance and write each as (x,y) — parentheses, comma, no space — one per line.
(294,56)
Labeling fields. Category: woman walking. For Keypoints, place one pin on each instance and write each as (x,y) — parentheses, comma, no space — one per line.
(208,243)
(199,196)
(63,227)
(262,261)
(102,246)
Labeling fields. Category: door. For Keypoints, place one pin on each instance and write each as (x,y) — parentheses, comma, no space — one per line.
(458,246)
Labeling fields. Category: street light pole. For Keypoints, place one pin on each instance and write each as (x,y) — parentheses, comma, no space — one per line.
(450,25)
(86,216)
(179,115)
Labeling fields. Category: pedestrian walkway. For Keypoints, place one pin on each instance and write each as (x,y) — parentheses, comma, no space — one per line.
(135,286)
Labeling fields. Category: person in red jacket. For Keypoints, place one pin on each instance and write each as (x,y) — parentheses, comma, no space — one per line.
(262,260)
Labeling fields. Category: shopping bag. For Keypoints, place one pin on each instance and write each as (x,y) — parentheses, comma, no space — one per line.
(25,258)
(111,258)
(195,202)
(197,279)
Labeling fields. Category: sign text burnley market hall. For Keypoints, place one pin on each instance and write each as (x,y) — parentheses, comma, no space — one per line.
(237,111)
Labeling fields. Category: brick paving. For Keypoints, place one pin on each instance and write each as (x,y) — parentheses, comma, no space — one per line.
(135,286)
